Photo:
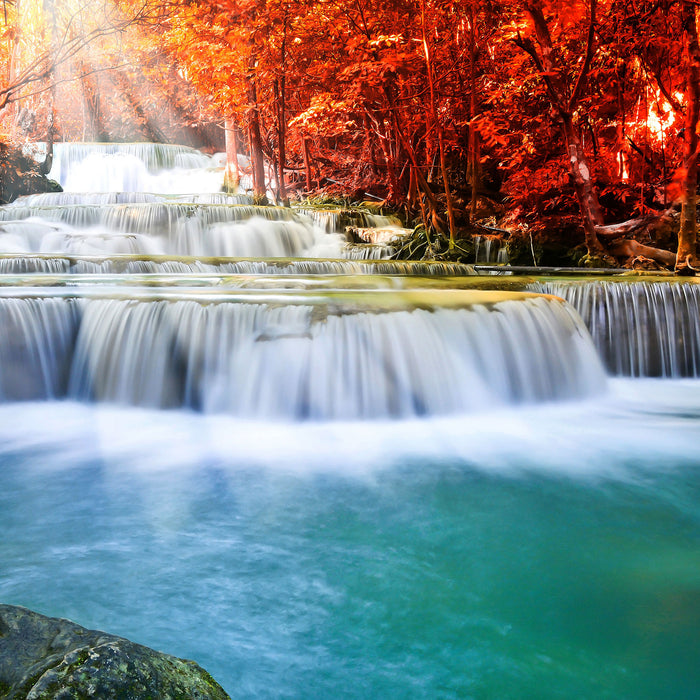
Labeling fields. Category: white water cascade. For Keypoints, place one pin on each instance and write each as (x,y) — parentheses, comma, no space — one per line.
(148,303)
(133,167)
(298,356)
(640,328)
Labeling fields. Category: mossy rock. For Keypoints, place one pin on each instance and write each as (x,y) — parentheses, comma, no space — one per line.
(598,261)
(46,658)
(19,175)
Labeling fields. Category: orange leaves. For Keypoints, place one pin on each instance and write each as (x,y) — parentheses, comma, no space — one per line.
(674,189)
(386,41)
(491,132)
(325,115)
(569,13)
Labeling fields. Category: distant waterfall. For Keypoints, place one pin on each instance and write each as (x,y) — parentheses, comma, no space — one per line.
(133,167)
(159,199)
(298,360)
(490,250)
(647,329)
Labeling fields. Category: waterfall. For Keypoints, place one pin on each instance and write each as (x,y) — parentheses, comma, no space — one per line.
(154,156)
(110,190)
(291,357)
(80,264)
(336,220)
(134,167)
(647,329)
(36,347)
(489,250)
(368,251)
(158,227)
(33,264)
(641,329)
(153,217)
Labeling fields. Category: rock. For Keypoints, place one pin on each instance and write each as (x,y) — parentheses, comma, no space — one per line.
(46,658)
(19,175)
(376,236)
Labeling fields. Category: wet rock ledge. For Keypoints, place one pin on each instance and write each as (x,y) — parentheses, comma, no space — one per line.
(42,658)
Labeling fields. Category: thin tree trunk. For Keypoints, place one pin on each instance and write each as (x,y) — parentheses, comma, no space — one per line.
(474,155)
(686,257)
(14,107)
(95,124)
(257,161)
(45,168)
(438,127)
(281,143)
(307,164)
(232,174)
(51,118)
(580,174)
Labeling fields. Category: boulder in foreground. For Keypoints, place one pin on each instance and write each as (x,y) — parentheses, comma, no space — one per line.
(42,658)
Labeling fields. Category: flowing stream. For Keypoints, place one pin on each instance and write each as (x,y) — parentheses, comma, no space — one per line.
(329,477)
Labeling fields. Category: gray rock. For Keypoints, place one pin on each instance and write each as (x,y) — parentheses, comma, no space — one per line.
(47,658)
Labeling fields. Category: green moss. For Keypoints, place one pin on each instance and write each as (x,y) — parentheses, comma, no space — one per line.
(597,261)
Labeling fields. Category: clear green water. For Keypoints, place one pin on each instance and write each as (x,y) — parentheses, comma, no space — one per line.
(544,552)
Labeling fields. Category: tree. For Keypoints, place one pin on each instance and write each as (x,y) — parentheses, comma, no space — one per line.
(565,77)
(686,259)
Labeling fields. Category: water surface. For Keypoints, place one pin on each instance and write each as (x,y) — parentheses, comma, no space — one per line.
(549,551)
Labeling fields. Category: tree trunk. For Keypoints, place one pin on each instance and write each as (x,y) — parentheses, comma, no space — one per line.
(281,142)
(94,128)
(474,154)
(46,166)
(686,257)
(580,175)
(232,174)
(438,127)
(307,164)
(257,161)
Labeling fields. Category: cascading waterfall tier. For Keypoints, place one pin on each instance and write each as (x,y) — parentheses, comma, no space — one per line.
(159,226)
(641,329)
(131,167)
(197,225)
(109,207)
(140,264)
(62,199)
(295,355)
(36,347)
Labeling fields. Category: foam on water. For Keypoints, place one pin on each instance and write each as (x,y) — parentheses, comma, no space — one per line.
(639,425)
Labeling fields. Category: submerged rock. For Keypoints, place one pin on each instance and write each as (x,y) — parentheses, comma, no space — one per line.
(43,658)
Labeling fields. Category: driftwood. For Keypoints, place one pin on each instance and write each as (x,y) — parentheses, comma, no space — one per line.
(629,248)
(643,225)
(621,238)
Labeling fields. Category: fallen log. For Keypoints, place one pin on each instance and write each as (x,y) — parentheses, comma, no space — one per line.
(630,248)
(647,225)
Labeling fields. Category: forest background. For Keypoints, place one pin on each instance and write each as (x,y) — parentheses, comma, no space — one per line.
(568,128)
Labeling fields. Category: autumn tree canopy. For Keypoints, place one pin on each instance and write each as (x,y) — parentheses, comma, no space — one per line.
(527,112)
